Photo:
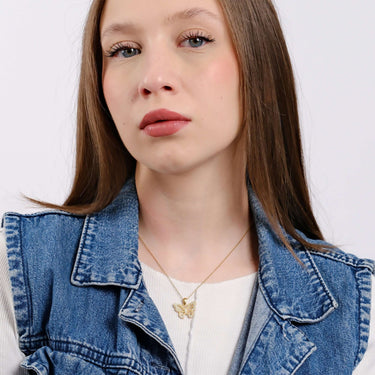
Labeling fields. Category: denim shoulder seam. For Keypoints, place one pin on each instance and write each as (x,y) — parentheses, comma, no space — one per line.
(41,214)
(348,259)
(363,279)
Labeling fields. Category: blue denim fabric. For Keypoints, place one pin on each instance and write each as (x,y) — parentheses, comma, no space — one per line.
(82,307)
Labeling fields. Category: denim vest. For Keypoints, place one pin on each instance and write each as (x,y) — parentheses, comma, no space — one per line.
(81,304)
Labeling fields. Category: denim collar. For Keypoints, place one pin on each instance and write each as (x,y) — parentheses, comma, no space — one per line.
(108,255)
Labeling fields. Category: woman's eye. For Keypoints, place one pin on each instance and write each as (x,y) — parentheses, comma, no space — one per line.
(129,52)
(196,41)
(123,51)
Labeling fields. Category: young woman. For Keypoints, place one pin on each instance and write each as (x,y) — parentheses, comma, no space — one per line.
(187,244)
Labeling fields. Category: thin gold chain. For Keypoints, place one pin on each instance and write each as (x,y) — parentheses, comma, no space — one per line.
(212,272)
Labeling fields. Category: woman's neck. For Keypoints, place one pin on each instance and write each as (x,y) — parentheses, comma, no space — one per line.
(191,221)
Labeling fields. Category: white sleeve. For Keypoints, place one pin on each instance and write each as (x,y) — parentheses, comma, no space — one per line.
(367,364)
(10,354)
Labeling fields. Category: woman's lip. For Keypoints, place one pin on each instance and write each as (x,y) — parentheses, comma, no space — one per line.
(161,116)
(164,128)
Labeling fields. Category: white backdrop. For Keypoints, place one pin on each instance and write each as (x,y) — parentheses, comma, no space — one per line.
(332,44)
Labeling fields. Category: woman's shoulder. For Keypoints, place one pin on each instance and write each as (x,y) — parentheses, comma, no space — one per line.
(335,255)
(341,257)
(42,224)
(48,214)
(34,237)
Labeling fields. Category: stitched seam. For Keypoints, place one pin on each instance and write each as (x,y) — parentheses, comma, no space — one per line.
(107,357)
(105,364)
(308,353)
(322,282)
(364,322)
(171,350)
(75,276)
(32,367)
(312,350)
(43,213)
(26,281)
(17,275)
(244,361)
(344,258)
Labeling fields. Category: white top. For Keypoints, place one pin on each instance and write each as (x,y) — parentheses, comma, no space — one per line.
(212,330)
(191,337)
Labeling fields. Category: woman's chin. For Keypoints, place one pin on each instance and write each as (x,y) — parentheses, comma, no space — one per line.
(172,167)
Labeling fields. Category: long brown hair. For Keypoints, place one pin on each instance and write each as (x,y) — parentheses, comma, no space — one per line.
(270,119)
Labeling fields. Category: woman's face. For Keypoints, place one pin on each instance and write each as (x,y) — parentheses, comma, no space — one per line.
(163,56)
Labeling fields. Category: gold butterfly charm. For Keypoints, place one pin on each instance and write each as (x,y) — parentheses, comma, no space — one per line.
(185,309)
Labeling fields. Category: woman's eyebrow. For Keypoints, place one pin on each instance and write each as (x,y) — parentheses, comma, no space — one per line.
(178,16)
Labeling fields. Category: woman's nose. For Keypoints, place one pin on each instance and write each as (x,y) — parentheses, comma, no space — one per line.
(158,75)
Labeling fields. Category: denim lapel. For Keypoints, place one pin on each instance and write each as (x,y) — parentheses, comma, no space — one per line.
(286,292)
(108,250)
(293,291)
(108,255)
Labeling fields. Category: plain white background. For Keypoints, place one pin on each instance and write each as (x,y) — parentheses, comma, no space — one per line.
(332,45)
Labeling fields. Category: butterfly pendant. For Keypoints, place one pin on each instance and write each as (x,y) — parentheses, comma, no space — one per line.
(185,309)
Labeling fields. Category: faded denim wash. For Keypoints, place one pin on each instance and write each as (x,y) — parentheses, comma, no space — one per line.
(82,307)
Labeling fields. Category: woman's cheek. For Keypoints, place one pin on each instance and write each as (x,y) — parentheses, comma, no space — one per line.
(112,93)
(225,72)
(106,89)
(220,77)
(221,85)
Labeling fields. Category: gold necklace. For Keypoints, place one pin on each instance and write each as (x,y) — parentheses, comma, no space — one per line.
(185,308)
